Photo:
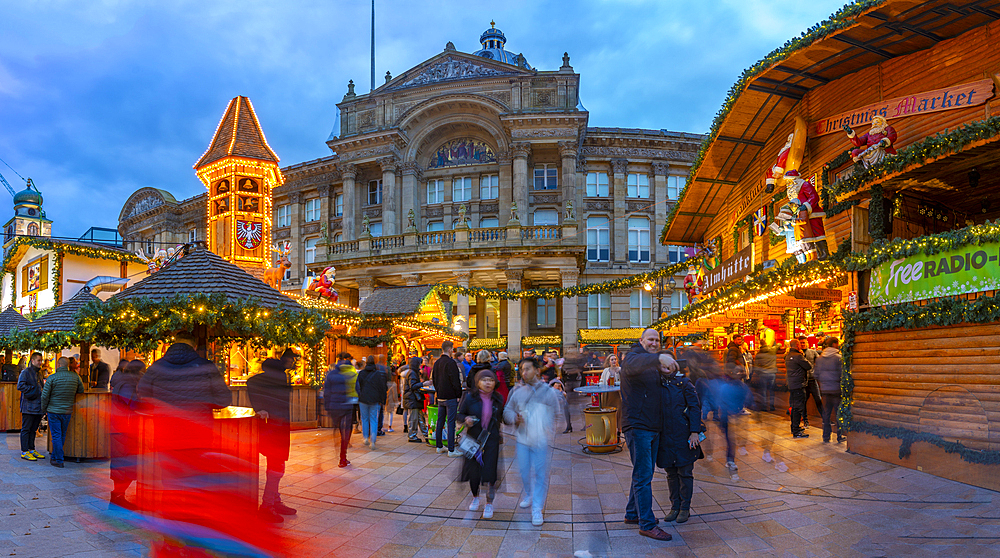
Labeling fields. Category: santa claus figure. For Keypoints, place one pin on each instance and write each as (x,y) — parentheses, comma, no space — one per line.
(775,173)
(873,146)
(322,285)
(809,228)
(693,284)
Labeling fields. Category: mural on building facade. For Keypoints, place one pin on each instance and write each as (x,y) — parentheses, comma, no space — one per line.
(462,152)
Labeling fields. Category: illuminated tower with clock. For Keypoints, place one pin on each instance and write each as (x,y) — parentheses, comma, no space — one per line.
(240,170)
(29,217)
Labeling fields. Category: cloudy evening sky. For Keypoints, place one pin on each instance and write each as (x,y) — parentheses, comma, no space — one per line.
(102,97)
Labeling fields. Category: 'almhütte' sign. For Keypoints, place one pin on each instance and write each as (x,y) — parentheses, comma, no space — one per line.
(966,270)
(959,96)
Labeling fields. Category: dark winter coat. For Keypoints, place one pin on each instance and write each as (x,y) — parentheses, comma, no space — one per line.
(335,392)
(735,361)
(446,378)
(124,425)
(796,369)
(470,382)
(413,398)
(30,385)
(681,418)
(270,391)
(829,368)
(100,374)
(505,372)
(186,381)
(371,385)
(766,361)
(472,406)
(59,393)
(640,390)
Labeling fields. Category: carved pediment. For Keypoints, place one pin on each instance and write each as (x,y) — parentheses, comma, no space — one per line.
(448,69)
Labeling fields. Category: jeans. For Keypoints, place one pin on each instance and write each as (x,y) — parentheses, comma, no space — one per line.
(29,428)
(58,423)
(413,422)
(369,420)
(342,420)
(533,464)
(642,448)
(680,481)
(451,406)
(831,409)
(797,401)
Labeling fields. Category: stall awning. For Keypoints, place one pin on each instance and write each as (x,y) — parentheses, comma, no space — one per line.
(618,336)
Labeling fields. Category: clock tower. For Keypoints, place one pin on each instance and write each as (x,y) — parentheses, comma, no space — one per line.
(240,170)
(29,217)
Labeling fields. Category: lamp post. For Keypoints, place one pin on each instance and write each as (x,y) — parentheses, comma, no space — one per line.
(662,289)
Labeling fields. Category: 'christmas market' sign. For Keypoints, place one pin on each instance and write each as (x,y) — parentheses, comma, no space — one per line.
(959,96)
(736,267)
(969,269)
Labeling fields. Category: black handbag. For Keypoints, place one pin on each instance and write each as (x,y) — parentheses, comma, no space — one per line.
(399,409)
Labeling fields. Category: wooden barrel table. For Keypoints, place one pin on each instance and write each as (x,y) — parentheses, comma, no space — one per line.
(88,435)
(10,415)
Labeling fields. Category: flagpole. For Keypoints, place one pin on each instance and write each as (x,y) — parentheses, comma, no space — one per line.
(373,45)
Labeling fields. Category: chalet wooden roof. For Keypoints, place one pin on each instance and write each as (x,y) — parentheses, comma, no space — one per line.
(11,319)
(238,135)
(201,271)
(396,301)
(63,316)
(891,29)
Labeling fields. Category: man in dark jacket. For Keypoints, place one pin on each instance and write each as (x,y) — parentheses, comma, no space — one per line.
(100,372)
(338,404)
(796,370)
(448,387)
(270,394)
(29,383)
(642,422)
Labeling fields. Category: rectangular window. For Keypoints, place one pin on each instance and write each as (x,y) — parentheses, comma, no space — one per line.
(638,239)
(641,308)
(674,185)
(192,235)
(546,177)
(546,217)
(678,300)
(339,237)
(375,192)
(338,205)
(284,215)
(598,245)
(489,222)
(545,310)
(311,250)
(597,184)
(312,210)
(435,226)
(677,254)
(599,310)
(489,187)
(435,191)
(637,185)
(461,189)
(376,229)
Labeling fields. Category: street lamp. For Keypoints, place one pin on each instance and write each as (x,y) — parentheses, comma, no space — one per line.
(662,289)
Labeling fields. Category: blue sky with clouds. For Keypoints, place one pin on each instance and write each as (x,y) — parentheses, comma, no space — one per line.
(102,97)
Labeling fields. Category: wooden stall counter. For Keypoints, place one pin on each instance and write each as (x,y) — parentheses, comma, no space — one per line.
(10,415)
(305,405)
(89,433)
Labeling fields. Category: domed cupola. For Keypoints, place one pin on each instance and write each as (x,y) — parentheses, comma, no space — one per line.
(493,41)
(28,202)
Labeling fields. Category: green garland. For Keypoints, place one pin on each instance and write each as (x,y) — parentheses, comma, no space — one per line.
(974,235)
(629,282)
(369,342)
(830,206)
(24,341)
(59,247)
(842,19)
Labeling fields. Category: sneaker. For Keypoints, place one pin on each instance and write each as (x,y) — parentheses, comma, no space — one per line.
(525,502)
(344,463)
(767,457)
(488,511)
(656,533)
(390,429)
(267,514)
(731,465)
(413,439)
(367,441)
(800,434)
(454,454)
(372,446)
(28,456)
(37,455)
(475,504)
(442,450)
(805,424)
(380,433)
(536,518)
(743,412)
(282,509)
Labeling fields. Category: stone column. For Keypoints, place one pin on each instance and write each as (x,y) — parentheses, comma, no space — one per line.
(349,172)
(619,225)
(324,222)
(297,257)
(506,186)
(570,311)
(581,190)
(520,153)
(366,286)
(567,153)
(390,218)
(514,315)
(463,300)
(660,255)
(410,187)
(481,329)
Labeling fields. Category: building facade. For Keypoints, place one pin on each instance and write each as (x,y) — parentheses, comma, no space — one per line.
(479,170)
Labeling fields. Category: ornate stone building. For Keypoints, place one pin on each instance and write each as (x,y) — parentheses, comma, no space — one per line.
(477,170)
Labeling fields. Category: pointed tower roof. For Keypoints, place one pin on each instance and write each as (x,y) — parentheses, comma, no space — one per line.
(238,135)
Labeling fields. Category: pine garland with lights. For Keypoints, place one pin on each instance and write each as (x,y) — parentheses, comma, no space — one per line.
(842,19)
(65,248)
(369,342)
(974,235)
(24,341)
(542,341)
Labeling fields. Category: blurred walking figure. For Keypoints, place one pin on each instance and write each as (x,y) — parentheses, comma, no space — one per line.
(829,369)
(448,390)
(339,405)
(532,408)
(730,394)
(679,440)
(30,383)
(765,369)
(270,394)
(796,370)
(550,375)
(392,397)
(482,412)
(124,429)
(58,400)
(371,397)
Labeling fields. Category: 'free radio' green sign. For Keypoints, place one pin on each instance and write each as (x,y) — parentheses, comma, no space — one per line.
(969,269)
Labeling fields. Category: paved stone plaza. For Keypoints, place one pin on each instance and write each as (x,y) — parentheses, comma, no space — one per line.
(399,501)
